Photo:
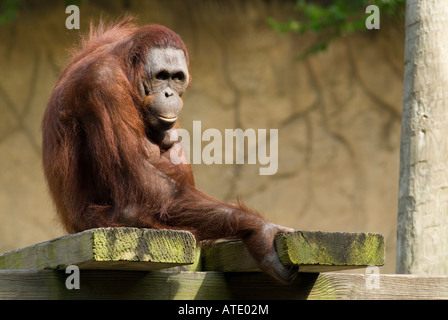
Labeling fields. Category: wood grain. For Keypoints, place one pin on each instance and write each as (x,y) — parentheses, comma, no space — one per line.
(108,248)
(311,251)
(189,285)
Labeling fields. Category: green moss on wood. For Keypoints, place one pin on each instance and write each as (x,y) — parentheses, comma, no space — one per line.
(312,251)
(108,248)
(131,244)
(331,248)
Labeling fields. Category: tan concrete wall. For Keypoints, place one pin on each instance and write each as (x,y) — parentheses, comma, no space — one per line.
(338,113)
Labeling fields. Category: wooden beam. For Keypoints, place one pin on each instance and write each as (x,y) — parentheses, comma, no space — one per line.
(108,248)
(311,251)
(151,249)
(422,226)
(188,285)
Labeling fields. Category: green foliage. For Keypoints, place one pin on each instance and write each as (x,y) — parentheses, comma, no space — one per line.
(8,10)
(74,2)
(333,19)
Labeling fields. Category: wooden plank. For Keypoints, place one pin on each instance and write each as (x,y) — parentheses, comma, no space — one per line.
(108,248)
(165,285)
(338,286)
(311,251)
(150,249)
(107,284)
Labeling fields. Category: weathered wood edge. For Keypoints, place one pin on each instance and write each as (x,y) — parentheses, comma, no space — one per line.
(311,251)
(168,285)
(108,248)
(152,249)
(331,248)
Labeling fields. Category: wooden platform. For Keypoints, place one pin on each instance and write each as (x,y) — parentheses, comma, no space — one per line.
(108,249)
(130,263)
(311,251)
(150,249)
(211,285)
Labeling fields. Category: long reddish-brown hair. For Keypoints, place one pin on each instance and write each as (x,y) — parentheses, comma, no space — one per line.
(93,127)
